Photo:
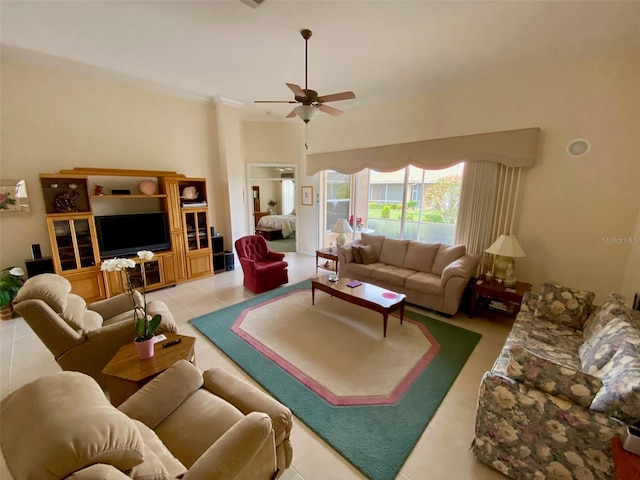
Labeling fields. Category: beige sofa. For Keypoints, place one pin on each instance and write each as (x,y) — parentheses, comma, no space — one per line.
(432,275)
(183,424)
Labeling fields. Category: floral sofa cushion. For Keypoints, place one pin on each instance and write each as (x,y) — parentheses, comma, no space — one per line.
(620,394)
(553,378)
(613,306)
(598,350)
(564,305)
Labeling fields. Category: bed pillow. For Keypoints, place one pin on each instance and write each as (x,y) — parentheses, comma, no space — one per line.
(564,305)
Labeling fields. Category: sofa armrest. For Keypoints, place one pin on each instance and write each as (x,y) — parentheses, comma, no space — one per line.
(236,450)
(248,398)
(247,264)
(345,254)
(513,418)
(115,305)
(98,471)
(161,396)
(275,256)
(529,302)
(462,267)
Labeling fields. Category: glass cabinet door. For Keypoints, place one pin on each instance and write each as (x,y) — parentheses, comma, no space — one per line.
(74,242)
(196,224)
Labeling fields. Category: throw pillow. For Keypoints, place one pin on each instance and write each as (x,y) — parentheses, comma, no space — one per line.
(564,305)
(394,251)
(357,256)
(368,254)
(446,254)
(598,350)
(550,377)
(613,306)
(375,240)
(620,395)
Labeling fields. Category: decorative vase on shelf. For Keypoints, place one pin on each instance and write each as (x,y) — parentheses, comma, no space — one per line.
(145,348)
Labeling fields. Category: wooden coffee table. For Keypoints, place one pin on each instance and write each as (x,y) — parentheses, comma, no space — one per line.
(127,373)
(365,295)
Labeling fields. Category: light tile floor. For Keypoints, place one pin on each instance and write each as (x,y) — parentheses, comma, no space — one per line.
(443,451)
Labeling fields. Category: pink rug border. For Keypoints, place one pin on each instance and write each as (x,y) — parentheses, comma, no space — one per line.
(395,395)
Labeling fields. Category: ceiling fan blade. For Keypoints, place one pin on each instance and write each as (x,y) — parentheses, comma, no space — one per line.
(334,97)
(274,101)
(297,90)
(330,110)
(292,114)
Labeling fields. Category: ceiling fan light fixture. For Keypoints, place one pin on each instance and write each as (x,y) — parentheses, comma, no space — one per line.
(306,112)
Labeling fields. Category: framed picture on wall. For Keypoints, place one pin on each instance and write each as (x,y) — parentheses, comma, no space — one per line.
(307,195)
(13,196)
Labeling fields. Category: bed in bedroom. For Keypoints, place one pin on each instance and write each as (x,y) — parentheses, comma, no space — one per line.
(285,223)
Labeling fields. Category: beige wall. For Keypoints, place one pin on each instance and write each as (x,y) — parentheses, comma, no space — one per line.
(53,120)
(568,204)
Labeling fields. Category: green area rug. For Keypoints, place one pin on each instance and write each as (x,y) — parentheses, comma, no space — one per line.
(376,439)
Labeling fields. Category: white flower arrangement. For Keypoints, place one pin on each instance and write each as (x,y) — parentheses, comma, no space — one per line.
(144,324)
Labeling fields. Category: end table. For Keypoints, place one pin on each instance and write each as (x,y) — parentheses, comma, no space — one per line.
(127,373)
(331,255)
(496,297)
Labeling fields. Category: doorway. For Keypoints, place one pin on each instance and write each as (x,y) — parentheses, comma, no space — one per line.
(273,207)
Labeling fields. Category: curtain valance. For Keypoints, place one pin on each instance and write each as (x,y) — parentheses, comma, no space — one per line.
(515,148)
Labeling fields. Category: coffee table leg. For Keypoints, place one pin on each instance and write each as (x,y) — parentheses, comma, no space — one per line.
(385,316)
(313,295)
(401,312)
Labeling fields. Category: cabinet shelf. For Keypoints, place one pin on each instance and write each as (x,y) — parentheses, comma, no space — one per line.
(135,195)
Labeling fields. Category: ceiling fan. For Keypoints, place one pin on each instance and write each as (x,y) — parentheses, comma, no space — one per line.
(309,99)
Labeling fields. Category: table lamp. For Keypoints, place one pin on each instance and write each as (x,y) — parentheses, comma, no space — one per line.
(506,248)
(341,227)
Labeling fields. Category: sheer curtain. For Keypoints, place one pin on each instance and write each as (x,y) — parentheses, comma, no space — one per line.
(488,204)
(288,192)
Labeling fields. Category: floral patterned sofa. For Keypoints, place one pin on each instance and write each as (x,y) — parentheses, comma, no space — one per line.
(565,383)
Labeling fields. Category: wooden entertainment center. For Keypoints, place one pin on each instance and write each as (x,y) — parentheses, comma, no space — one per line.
(73,198)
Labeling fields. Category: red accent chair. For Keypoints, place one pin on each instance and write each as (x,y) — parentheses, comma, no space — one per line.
(263,269)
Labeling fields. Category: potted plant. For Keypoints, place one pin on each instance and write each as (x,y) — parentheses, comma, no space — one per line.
(10,282)
(144,324)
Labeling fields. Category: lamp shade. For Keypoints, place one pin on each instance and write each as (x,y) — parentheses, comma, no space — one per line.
(506,246)
(342,226)
(306,112)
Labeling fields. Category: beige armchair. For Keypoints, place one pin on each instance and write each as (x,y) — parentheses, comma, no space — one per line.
(80,337)
(183,424)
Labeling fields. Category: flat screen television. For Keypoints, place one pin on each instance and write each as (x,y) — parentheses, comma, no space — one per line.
(124,235)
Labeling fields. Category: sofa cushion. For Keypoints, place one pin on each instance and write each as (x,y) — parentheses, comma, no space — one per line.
(368,253)
(159,463)
(52,289)
(598,350)
(425,283)
(564,305)
(392,274)
(375,240)
(620,394)
(394,252)
(73,313)
(420,256)
(360,270)
(613,306)
(357,256)
(446,254)
(76,427)
(551,377)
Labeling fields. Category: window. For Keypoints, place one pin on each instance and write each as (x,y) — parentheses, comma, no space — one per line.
(410,203)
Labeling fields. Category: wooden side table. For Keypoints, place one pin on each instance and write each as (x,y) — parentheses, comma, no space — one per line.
(484,292)
(627,464)
(127,373)
(330,255)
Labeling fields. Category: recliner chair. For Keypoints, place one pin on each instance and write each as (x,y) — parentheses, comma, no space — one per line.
(263,269)
(80,337)
(183,424)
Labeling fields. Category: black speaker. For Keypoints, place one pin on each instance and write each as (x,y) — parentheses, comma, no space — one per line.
(36,253)
(229,261)
(213,232)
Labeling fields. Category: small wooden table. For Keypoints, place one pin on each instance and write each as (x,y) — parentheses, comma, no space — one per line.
(365,295)
(127,373)
(329,254)
(510,297)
